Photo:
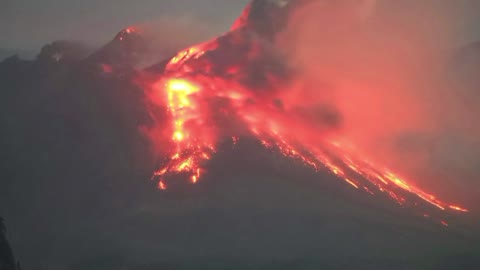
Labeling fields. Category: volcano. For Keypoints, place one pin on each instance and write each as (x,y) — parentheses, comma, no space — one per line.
(239,85)
(246,171)
(126,50)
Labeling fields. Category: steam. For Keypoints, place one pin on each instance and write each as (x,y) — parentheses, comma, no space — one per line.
(387,67)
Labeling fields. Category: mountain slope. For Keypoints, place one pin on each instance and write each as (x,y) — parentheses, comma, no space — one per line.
(75,185)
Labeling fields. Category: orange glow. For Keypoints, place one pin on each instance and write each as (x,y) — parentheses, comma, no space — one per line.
(130,30)
(458,208)
(351,183)
(162,186)
(189,89)
(191,148)
(106,68)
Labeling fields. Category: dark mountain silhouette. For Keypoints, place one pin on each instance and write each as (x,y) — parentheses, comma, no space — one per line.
(65,120)
(25,54)
(74,176)
(126,50)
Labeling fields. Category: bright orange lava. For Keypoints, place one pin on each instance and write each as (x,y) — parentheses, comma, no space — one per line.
(190,149)
(191,91)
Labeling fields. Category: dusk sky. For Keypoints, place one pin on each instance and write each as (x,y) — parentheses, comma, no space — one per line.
(30,24)
(27,25)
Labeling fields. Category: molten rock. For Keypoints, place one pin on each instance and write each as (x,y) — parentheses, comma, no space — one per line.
(238,85)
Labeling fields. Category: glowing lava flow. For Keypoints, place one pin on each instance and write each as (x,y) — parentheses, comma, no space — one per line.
(192,90)
(190,149)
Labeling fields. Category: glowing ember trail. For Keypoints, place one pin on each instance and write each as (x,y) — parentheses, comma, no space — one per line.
(199,88)
(190,149)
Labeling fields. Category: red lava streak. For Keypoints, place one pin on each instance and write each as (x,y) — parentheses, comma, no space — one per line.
(197,93)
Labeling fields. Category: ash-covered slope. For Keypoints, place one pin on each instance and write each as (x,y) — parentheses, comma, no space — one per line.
(127,49)
(75,189)
(69,134)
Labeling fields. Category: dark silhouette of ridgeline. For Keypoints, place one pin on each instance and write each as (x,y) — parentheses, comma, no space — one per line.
(7,260)
(71,119)
(79,102)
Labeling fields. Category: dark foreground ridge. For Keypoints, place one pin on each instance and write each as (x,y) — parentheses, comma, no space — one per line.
(7,260)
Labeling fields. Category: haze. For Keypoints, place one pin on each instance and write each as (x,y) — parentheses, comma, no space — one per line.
(27,25)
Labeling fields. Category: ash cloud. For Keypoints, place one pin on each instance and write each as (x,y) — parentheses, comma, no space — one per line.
(393,71)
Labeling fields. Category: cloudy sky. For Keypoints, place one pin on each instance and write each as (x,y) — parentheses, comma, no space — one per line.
(29,24)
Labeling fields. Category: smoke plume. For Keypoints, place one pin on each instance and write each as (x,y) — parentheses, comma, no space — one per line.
(391,70)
